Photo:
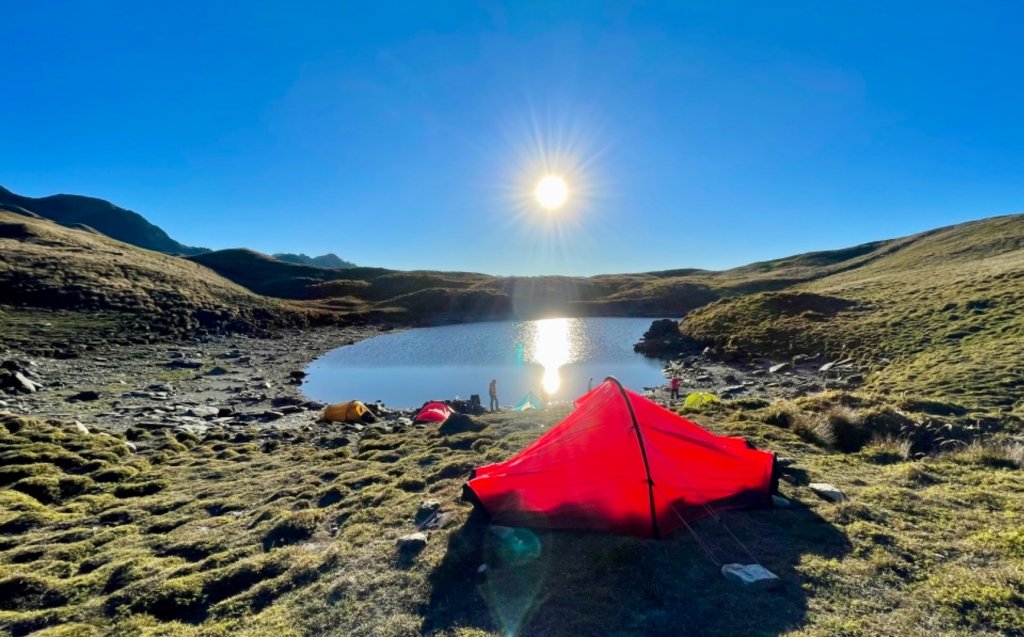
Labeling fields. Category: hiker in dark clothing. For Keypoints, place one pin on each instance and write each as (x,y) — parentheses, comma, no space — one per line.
(675,388)
(492,390)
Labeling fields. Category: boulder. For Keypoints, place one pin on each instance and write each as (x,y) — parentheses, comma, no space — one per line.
(217,371)
(827,491)
(779,501)
(427,509)
(411,544)
(781,367)
(750,576)
(82,429)
(203,412)
(84,396)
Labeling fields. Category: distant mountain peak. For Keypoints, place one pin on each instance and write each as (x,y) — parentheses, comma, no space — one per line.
(330,260)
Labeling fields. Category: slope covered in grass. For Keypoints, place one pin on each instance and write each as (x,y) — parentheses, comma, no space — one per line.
(250,532)
(45,265)
(103,216)
(940,313)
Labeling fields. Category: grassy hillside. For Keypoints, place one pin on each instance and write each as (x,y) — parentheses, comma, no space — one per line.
(939,313)
(255,533)
(44,265)
(103,216)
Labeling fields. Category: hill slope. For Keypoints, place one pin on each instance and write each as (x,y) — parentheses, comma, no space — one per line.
(942,311)
(45,265)
(118,223)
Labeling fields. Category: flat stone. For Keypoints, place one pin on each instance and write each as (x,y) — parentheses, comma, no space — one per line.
(186,363)
(411,544)
(827,366)
(827,491)
(426,510)
(203,412)
(781,367)
(23,383)
(750,575)
(271,415)
(84,396)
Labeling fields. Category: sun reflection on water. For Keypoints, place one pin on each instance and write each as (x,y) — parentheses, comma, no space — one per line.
(554,343)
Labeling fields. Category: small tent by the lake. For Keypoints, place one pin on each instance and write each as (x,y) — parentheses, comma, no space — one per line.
(622,463)
(350,411)
(529,401)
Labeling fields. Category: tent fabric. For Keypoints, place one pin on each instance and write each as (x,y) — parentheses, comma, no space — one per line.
(434,412)
(529,401)
(600,469)
(351,411)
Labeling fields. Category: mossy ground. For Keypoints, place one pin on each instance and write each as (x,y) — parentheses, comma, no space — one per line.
(225,535)
(938,314)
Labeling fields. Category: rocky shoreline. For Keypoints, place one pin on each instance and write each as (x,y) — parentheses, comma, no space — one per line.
(237,381)
(219,381)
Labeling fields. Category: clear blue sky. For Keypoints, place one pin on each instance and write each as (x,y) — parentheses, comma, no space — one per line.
(407,135)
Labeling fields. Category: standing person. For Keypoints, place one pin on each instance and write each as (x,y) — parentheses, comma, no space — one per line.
(492,389)
(675,388)
(590,384)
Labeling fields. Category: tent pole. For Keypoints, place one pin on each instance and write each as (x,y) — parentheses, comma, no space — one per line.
(643,454)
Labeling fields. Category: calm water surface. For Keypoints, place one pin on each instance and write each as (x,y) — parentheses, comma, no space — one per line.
(550,357)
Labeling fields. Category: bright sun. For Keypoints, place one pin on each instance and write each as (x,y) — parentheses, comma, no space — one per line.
(551,192)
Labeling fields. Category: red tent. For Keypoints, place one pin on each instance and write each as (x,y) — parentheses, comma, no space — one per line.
(433,412)
(624,464)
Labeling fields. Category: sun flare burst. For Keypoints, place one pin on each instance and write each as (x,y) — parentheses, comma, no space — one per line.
(551,192)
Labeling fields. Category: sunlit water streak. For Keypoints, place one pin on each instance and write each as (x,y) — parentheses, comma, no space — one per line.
(553,358)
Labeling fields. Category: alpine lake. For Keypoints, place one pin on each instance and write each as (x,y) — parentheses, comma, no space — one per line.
(553,358)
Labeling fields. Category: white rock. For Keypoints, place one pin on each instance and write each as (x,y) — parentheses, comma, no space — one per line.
(82,429)
(751,575)
(827,491)
(781,367)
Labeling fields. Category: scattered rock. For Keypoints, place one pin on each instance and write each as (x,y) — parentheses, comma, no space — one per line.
(827,491)
(271,415)
(750,575)
(411,544)
(781,367)
(203,412)
(427,509)
(19,382)
(217,371)
(779,501)
(185,363)
(82,429)
(84,396)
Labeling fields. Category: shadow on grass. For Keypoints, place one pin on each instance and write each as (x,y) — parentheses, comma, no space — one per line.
(581,583)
